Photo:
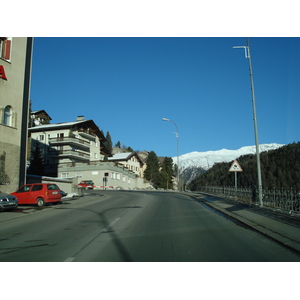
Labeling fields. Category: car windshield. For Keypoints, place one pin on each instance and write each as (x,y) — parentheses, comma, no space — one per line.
(53,187)
(89,182)
(25,188)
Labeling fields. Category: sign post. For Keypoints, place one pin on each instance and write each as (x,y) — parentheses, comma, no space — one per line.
(106,174)
(235,167)
(104,183)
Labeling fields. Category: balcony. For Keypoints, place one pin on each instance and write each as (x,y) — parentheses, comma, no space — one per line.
(70,154)
(87,134)
(72,142)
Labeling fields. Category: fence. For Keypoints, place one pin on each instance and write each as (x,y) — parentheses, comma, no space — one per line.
(285,199)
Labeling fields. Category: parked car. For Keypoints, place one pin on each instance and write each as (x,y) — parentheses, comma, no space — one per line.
(7,201)
(63,194)
(87,184)
(38,193)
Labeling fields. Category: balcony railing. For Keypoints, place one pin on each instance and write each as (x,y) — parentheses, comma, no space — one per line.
(87,133)
(73,142)
(71,154)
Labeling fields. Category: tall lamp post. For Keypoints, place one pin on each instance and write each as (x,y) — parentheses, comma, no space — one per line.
(247,54)
(164,119)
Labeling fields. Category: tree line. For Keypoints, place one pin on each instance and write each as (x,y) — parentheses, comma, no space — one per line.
(159,174)
(280,168)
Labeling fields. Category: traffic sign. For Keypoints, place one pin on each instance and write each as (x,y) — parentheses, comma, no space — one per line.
(235,167)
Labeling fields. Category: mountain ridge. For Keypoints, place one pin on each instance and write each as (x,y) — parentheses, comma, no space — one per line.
(193,163)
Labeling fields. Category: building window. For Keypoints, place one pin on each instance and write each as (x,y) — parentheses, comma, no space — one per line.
(5,48)
(118,176)
(41,137)
(60,136)
(7,118)
(65,175)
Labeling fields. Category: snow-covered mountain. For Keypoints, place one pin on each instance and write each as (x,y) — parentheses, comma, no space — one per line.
(191,163)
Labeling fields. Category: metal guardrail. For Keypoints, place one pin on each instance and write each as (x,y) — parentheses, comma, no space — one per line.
(285,199)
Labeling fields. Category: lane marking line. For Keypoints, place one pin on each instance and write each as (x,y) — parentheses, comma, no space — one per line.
(106,229)
(69,259)
(110,225)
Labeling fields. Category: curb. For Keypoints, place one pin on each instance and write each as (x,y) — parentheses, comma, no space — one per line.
(275,236)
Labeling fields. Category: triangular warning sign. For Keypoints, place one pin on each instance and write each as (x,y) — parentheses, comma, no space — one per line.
(235,167)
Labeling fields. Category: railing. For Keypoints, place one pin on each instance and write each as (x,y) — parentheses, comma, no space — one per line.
(69,141)
(285,199)
(87,133)
(70,153)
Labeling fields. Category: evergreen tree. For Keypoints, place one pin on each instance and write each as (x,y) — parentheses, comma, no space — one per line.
(37,162)
(167,172)
(108,143)
(129,149)
(152,169)
(163,180)
(118,144)
(279,168)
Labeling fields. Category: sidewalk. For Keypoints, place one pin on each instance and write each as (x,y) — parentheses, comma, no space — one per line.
(278,225)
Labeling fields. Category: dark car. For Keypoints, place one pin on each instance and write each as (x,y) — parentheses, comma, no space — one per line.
(63,194)
(7,201)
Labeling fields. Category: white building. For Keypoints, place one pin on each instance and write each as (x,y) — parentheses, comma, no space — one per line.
(15,73)
(77,150)
(130,160)
(105,175)
(68,143)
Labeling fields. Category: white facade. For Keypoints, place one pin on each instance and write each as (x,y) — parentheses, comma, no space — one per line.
(68,143)
(105,175)
(130,160)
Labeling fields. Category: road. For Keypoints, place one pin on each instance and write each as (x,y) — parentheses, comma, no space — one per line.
(131,226)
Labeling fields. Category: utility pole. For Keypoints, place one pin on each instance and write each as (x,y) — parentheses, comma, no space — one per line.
(165,119)
(247,54)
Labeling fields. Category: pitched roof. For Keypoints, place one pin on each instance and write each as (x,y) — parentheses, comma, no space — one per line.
(56,125)
(124,157)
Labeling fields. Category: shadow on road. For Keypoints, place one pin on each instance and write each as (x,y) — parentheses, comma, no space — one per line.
(107,229)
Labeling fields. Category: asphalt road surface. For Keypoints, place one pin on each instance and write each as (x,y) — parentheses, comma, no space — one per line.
(131,226)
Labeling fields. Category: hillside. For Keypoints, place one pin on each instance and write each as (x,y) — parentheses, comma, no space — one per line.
(279,167)
(195,163)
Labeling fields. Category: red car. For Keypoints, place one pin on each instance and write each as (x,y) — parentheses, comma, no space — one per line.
(38,193)
(87,184)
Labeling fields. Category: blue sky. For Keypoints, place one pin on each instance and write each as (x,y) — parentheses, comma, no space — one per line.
(127,85)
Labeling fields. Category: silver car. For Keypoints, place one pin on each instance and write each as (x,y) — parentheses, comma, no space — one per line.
(7,201)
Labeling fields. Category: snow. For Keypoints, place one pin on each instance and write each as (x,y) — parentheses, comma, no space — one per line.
(207,159)
(119,156)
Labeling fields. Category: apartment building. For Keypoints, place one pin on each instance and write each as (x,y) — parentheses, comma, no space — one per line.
(39,117)
(130,160)
(15,73)
(68,143)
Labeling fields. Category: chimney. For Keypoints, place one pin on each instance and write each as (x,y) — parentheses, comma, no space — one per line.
(80,118)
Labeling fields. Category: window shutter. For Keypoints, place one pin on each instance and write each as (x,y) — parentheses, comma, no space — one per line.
(6,49)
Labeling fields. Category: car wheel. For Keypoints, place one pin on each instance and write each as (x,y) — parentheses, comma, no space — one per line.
(40,202)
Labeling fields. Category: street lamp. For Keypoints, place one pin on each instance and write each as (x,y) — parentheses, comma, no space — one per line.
(247,54)
(164,119)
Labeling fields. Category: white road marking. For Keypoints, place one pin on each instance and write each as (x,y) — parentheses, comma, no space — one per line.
(110,225)
(106,229)
(69,259)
